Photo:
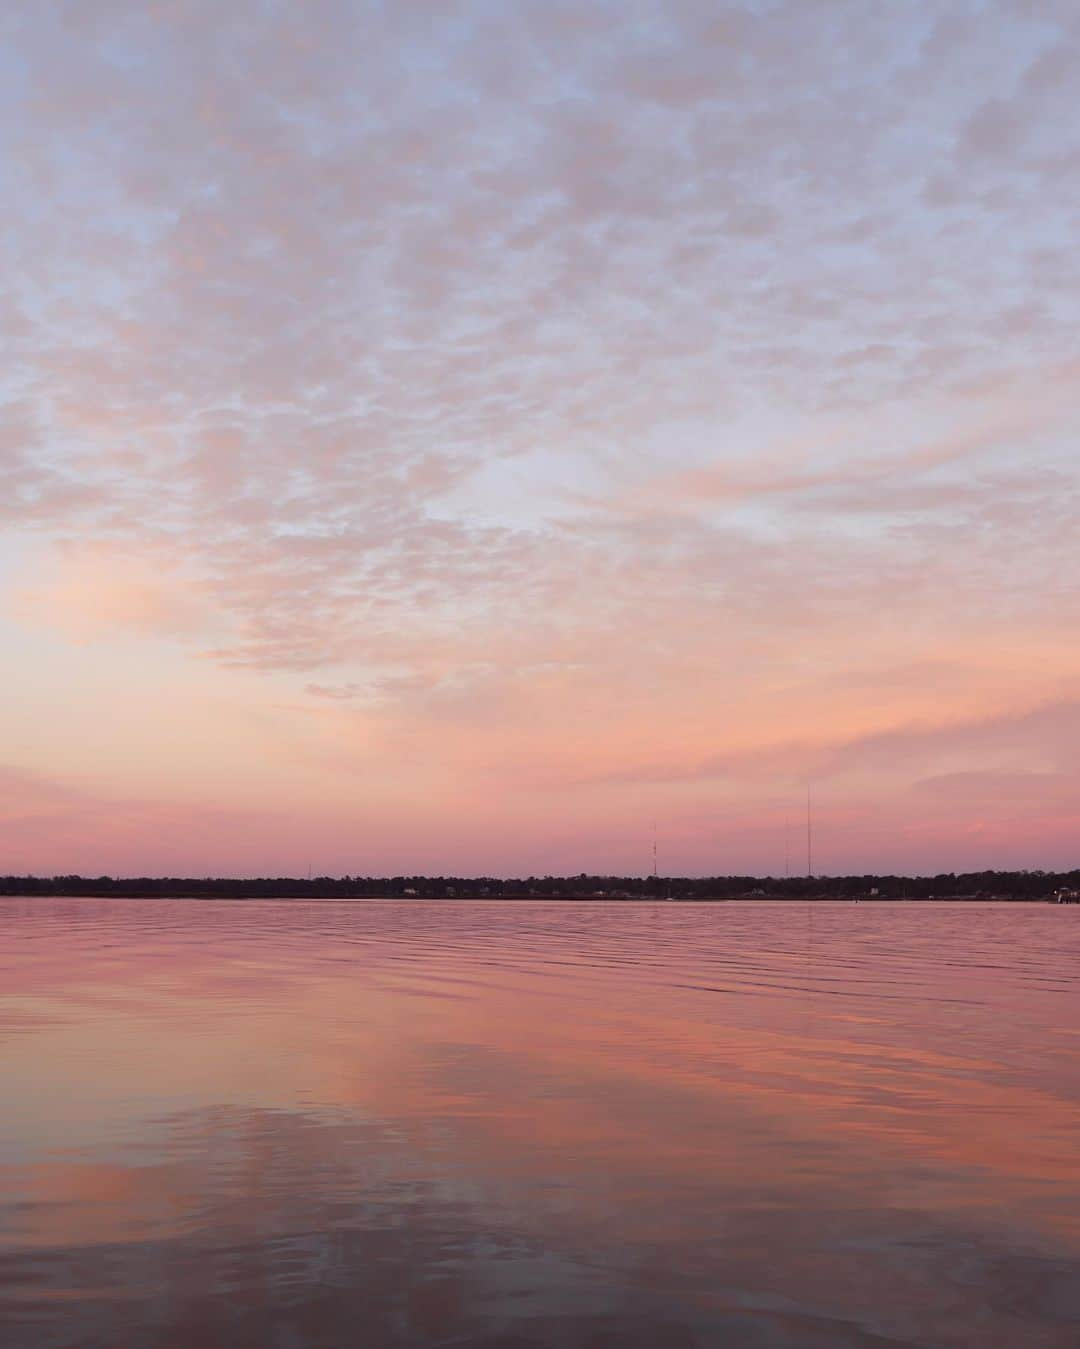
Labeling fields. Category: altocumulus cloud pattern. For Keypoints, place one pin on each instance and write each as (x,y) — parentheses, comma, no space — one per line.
(452,435)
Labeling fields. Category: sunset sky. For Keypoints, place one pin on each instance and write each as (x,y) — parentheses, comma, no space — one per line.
(451,437)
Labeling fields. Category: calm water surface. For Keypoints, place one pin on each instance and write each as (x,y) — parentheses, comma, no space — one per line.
(410,1124)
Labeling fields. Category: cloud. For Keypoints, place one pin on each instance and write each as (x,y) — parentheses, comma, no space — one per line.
(336,692)
(93,593)
(1028,750)
(508,374)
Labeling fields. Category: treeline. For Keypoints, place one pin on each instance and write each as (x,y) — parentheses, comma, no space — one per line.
(972,885)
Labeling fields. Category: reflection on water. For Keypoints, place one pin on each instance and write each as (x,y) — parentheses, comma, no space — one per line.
(573,1125)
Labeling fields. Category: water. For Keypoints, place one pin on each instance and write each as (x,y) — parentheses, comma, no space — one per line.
(538,1124)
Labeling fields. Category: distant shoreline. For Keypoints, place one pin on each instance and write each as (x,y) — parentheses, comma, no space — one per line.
(967,888)
(937,900)
(300,897)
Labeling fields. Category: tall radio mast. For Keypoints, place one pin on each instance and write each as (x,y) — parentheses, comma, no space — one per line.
(787,843)
(809,837)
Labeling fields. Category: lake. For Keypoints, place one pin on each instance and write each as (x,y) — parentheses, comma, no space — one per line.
(582,1125)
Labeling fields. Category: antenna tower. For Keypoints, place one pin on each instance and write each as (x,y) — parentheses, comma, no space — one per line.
(809,837)
(787,845)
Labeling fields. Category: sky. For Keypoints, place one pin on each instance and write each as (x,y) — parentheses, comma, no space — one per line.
(464,437)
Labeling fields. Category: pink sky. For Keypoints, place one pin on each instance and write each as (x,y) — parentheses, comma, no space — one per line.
(452,437)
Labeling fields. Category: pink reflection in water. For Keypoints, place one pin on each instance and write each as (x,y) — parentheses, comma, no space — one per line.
(539,1124)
